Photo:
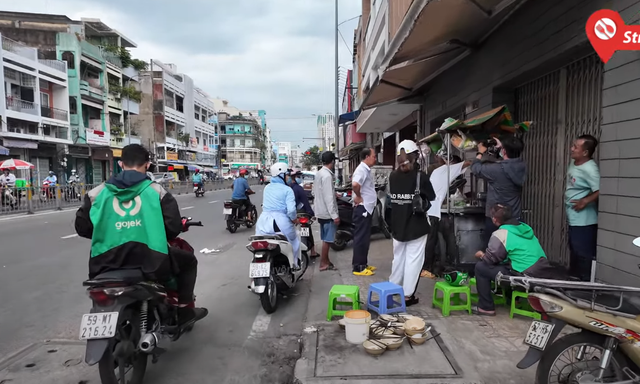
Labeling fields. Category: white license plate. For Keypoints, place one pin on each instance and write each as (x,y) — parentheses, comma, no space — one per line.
(304,231)
(227,211)
(257,270)
(98,325)
(538,334)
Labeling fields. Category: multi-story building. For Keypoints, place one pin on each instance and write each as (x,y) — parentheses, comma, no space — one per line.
(241,142)
(178,118)
(295,157)
(34,109)
(326,130)
(284,152)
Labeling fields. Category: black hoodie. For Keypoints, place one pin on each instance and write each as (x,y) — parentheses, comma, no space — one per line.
(504,183)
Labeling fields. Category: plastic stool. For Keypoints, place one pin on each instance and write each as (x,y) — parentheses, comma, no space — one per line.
(497,299)
(386,304)
(447,303)
(338,291)
(522,309)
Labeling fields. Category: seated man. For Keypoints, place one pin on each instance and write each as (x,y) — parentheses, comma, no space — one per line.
(513,247)
(240,194)
(130,197)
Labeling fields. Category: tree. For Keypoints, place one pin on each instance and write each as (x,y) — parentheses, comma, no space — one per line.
(311,156)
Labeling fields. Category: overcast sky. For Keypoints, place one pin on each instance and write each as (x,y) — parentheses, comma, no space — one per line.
(275,55)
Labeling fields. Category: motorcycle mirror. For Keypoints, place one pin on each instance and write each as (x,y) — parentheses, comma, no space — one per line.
(636,242)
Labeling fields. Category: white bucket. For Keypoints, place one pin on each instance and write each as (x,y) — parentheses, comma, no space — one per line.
(357,326)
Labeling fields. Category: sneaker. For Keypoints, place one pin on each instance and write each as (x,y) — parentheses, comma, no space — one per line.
(191,315)
(372,268)
(364,272)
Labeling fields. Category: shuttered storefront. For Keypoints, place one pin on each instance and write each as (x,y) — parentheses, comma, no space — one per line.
(562,105)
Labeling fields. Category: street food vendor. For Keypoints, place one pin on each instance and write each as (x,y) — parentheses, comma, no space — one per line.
(504,178)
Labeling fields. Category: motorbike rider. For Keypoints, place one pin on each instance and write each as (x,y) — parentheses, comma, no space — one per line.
(197,179)
(241,192)
(129,219)
(302,202)
(279,213)
(52,179)
(7,182)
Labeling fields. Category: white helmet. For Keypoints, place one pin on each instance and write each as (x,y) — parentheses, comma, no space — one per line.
(408,145)
(278,168)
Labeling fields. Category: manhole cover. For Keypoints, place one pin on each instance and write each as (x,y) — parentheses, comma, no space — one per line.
(72,362)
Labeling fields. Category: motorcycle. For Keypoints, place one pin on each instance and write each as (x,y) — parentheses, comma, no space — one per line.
(198,189)
(71,191)
(8,198)
(607,348)
(344,233)
(235,215)
(305,228)
(129,318)
(272,270)
(47,191)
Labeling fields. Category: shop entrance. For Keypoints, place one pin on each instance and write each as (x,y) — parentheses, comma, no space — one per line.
(562,105)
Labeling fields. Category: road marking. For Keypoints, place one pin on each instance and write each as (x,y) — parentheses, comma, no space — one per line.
(69,236)
(185,208)
(260,325)
(214,201)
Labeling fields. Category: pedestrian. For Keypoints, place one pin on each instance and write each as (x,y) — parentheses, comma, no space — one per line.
(504,178)
(440,179)
(364,202)
(581,196)
(326,207)
(411,193)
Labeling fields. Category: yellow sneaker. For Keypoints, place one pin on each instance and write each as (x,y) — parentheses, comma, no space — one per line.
(372,268)
(365,272)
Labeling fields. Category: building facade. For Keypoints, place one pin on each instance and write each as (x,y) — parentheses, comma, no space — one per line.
(284,152)
(326,130)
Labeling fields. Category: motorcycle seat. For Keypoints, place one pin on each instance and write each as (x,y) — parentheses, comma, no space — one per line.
(277,236)
(630,304)
(129,276)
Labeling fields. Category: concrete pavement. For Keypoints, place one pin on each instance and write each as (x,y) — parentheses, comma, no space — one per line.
(43,264)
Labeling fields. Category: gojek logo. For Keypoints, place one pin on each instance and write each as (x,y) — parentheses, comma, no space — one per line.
(608,33)
(129,208)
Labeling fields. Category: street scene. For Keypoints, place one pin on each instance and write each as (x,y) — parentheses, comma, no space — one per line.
(361,191)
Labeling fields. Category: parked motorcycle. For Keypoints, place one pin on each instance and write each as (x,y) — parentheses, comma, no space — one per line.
(47,191)
(272,270)
(71,191)
(607,348)
(7,197)
(236,215)
(344,233)
(198,189)
(129,318)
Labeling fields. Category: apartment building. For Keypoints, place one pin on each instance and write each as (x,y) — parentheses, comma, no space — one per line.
(284,152)
(179,120)
(326,130)
(35,108)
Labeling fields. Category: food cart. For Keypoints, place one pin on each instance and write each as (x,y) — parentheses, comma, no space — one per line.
(463,218)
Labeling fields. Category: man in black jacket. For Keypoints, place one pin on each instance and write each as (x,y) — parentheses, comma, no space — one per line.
(124,218)
(410,224)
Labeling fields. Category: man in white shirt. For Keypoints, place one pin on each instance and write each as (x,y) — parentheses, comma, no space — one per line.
(7,181)
(441,183)
(364,202)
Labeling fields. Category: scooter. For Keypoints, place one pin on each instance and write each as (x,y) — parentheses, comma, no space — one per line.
(305,228)
(129,318)
(607,348)
(235,216)
(272,270)
(198,189)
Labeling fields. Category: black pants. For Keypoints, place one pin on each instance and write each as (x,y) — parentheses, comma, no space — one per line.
(450,258)
(485,273)
(582,246)
(184,266)
(432,242)
(361,237)
(244,205)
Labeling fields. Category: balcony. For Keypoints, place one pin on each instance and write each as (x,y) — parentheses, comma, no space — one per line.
(19,105)
(91,50)
(92,91)
(19,49)
(55,132)
(132,107)
(75,119)
(54,113)
(55,64)
(114,102)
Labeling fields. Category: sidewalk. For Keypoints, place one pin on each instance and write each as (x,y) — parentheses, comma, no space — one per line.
(470,349)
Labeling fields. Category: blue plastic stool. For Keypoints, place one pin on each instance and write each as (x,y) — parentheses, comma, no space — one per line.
(386,304)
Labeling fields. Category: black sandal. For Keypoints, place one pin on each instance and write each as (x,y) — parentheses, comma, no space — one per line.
(411,301)
(477,311)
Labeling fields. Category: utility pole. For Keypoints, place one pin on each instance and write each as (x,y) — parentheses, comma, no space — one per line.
(335,66)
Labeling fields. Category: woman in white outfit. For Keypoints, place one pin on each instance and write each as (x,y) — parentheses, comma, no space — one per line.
(409,222)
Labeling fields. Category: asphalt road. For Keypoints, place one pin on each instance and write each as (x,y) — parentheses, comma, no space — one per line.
(43,264)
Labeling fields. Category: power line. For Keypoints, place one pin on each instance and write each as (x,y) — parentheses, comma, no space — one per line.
(345,43)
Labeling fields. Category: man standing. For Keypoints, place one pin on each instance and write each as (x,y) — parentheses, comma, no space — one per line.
(581,196)
(364,202)
(504,179)
(326,207)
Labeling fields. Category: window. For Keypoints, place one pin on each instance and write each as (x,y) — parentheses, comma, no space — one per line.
(44,99)
(44,84)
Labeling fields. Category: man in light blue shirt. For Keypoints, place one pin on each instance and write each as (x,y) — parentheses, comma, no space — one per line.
(581,197)
(240,193)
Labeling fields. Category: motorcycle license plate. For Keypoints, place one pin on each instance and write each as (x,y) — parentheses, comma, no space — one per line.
(538,334)
(257,270)
(98,325)
(304,231)
(227,211)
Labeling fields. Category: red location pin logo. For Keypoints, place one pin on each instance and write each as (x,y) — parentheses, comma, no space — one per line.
(605,30)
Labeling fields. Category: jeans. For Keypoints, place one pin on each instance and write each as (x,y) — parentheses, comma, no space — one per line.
(485,273)
(583,243)
(361,237)
(184,266)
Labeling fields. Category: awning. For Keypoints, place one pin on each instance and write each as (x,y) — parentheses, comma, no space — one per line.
(4,151)
(193,167)
(384,118)
(434,36)
(345,152)
(347,117)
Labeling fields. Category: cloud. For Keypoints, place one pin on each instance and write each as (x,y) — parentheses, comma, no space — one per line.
(275,55)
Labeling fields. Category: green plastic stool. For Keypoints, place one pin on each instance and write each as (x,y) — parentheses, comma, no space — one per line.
(447,303)
(342,291)
(497,299)
(522,309)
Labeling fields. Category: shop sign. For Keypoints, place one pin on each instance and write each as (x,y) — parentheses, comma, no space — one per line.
(117,152)
(96,137)
(20,144)
(172,156)
(194,142)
